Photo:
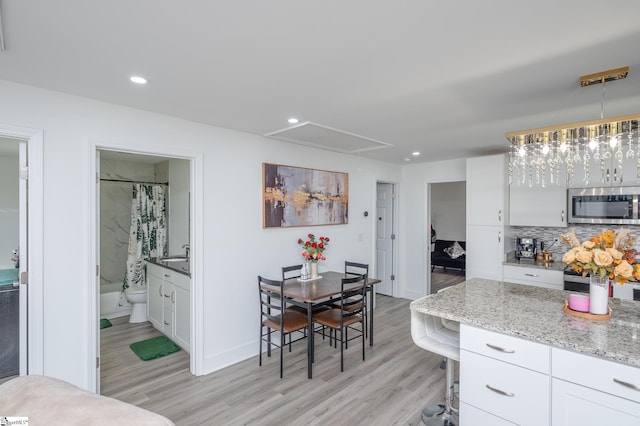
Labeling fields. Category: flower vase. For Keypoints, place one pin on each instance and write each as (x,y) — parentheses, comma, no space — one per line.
(598,294)
(314,269)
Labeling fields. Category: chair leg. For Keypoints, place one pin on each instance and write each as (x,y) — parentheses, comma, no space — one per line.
(341,349)
(282,343)
(260,362)
(269,343)
(363,339)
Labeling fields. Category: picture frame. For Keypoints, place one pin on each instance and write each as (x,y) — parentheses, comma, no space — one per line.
(298,196)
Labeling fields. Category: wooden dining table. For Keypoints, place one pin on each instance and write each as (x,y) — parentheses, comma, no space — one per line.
(323,291)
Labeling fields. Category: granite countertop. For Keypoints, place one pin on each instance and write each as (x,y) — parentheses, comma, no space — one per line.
(182,267)
(536,314)
(554,265)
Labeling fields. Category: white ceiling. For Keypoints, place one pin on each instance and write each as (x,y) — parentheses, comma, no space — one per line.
(444,78)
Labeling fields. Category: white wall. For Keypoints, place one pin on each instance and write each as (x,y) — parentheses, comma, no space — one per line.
(448,210)
(9,208)
(236,248)
(415,235)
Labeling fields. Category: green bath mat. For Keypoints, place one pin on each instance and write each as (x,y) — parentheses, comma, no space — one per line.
(105,323)
(154,348)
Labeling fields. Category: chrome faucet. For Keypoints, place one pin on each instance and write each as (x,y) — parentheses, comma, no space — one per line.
(187,249)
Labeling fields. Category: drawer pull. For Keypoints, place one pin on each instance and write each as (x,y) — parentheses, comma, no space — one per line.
(498,348)
(501,392)
(627,384)
(532,275)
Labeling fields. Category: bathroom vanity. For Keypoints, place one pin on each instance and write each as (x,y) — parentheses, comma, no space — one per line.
(524,361)
(169,300)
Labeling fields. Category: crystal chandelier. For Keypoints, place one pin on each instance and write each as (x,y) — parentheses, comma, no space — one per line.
(555,154)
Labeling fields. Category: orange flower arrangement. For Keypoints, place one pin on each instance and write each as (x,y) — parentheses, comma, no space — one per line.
(312,249)
(608,253)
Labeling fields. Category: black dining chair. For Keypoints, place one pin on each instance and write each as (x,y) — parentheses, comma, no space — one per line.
(350,313)
(275,318)
(290,272)
(355,268)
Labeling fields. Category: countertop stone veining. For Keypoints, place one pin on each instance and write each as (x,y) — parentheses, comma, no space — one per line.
(181,267)
(536,314)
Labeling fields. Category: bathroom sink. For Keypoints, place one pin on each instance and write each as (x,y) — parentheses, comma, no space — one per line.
(174,259)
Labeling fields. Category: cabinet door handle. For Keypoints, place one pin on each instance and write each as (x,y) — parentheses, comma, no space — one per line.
(167,296)
(499,215)
(562,216)
(160,291)
(499,236)
(532,275)
(627,384)
(166,323)
(167,276)
(607,175)
(498,348)
(501,392)
(615,175)
(173,296)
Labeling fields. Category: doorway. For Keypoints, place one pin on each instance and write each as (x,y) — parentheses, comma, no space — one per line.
(385,238)
(139,162)
(21,210)
(447,227)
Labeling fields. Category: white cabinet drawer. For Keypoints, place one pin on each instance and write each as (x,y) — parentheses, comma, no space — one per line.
(182,281)
(514,350)
(575,405)
(513,393)
(602,375)
(533,276)
(472,416)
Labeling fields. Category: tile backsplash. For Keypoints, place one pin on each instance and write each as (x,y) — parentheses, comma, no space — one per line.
(549,234)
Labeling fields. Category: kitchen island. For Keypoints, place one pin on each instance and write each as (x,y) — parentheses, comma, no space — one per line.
(549,367)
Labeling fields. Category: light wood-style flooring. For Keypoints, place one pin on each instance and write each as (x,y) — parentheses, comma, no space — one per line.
(445,278)
(390,388)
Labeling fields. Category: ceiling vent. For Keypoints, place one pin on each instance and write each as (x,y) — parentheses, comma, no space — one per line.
(324,137)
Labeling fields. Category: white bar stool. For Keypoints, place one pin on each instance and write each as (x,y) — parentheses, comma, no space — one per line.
(441,337)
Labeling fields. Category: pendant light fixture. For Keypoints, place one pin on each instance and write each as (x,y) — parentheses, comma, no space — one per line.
(551,155)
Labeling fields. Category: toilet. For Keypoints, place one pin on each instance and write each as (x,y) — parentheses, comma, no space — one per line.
(137,296)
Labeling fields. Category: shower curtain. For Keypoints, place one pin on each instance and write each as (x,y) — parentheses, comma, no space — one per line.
(148,234)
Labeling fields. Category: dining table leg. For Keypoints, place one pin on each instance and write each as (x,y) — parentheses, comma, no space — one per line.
(310,345)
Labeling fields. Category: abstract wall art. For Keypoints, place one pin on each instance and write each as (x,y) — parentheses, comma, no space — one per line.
(296,196)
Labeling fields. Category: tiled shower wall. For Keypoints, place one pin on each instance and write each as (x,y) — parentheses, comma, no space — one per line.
(549,234)
(115,211)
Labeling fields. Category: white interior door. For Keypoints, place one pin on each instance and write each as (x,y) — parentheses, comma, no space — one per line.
(384,238)
(97,280)
(23,255)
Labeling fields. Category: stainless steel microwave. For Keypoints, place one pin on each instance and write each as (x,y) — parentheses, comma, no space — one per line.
(615,205)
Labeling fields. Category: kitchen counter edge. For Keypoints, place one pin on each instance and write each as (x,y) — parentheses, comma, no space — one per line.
(536,314)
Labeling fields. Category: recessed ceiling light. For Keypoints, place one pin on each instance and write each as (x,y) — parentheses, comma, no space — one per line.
(293,120)
(415,153)
(138,80)
(407,159)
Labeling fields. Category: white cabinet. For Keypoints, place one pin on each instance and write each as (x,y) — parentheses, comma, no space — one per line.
(155,295)
(538,277)
(182,311)
(486,190)
(537,206)
(168,303)
(487,198)
(505,377)
(590,391)
(607,174)
(484,252)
